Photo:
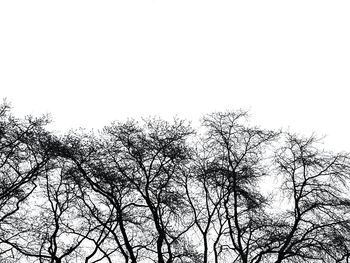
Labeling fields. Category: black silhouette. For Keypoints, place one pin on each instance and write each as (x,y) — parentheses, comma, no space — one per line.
(158,191)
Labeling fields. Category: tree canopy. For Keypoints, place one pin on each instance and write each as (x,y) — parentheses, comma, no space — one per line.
(167,192)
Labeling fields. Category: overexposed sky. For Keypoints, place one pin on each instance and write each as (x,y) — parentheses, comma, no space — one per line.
(90,62)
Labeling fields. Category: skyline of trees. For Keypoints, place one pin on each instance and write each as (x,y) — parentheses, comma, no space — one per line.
(160,191)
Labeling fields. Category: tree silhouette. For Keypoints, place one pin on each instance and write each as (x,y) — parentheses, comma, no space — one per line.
(136,170)
(316,226)
(235,167)
(24,152)
(159,191)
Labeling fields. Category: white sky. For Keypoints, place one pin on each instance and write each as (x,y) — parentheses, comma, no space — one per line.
(90,62)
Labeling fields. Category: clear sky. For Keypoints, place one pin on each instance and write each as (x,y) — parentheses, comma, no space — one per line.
(90,62)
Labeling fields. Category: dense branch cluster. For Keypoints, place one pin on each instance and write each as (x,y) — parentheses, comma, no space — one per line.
(158,191)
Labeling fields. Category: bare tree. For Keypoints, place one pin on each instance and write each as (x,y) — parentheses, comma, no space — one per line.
(104,191)
(151,159)
(237,165)
(316,226)
(205,196)
(136,171)
(24,152)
